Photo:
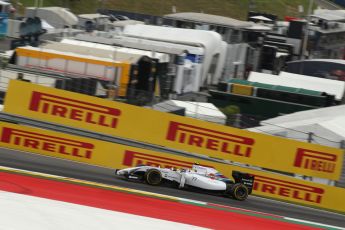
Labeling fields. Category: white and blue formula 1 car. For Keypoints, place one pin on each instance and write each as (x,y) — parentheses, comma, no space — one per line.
(198,178)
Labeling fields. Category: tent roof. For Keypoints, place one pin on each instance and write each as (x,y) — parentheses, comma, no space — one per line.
(92,16)
(328,133)
(205,38)
(269,127)
(322,113)
(140,43)
(210,19)
(326,123)
(336,125)
(338,61)
(66,16)
(332,87)
(328,17)
(337,13)
(123,23)
(259,27)
(166,106)
(4,3)
(202,111)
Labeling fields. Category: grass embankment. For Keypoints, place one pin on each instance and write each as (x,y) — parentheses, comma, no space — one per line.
(231,8)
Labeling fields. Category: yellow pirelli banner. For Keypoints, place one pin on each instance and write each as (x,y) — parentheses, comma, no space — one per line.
(187,134)
(106,154)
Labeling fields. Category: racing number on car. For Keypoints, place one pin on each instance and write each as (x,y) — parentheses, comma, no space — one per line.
(194,179)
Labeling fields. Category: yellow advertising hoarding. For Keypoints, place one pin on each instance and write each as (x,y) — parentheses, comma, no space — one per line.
(187,134)
(105,154)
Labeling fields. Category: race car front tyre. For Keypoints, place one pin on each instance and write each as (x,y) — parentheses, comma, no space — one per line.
(153,177)
(239,192)
(126,175)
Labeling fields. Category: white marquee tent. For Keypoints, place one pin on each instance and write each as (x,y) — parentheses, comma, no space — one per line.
(325,126)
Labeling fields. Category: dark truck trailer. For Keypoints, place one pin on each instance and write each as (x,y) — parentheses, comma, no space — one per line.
(322,68)
(339,2)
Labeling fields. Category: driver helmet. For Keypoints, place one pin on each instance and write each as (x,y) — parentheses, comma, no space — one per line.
(211,175)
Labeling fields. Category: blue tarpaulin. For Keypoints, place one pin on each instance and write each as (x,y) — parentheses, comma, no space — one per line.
(3,24)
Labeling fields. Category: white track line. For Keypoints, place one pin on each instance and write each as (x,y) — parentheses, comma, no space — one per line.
(314,223)
(297,205)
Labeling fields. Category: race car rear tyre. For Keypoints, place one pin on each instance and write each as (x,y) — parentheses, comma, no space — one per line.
(153,177)
(239,192)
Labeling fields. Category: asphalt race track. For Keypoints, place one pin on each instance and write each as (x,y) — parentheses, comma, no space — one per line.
(16,159)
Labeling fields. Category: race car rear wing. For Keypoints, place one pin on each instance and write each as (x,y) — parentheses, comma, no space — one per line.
(244,178)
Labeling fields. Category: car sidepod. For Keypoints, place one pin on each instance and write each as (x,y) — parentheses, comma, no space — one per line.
(205,183)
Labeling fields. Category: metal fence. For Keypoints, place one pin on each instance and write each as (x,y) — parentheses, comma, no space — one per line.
(78,84)
(141,98)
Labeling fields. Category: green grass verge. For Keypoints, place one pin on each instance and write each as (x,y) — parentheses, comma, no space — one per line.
(231,8)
